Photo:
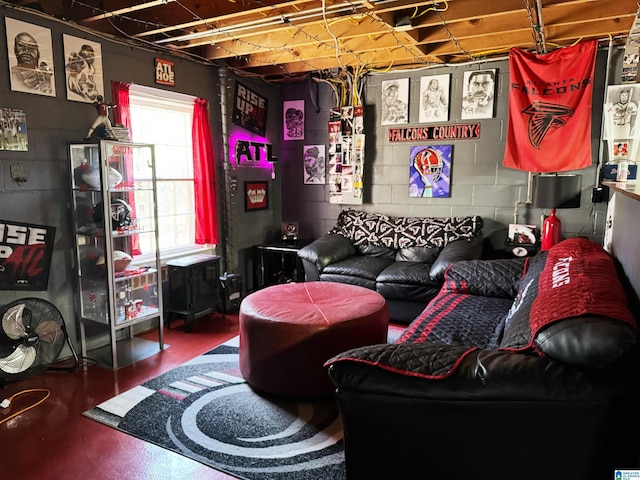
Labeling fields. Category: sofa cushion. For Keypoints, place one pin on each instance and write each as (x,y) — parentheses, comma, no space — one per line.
(417,254)
(489,278)
(420,295)
(458,320)
(363,266)
(376,251)
(411,273)
(407,280)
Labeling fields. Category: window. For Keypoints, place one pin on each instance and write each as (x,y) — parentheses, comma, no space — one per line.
(164,120)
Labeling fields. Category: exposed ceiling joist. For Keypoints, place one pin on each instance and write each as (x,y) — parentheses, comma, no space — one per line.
(284,40)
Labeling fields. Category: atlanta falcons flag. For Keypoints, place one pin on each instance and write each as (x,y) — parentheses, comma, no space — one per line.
(550,109)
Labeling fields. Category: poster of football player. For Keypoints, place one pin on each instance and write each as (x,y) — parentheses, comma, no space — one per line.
(395,101)
(14,130)
(434,98)
(478,94)
(83,69)
(430,171)
(30,58)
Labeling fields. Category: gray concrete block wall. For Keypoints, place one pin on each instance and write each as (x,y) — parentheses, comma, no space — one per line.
(480,185)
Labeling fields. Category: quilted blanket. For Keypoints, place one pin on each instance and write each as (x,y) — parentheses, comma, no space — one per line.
(502,305)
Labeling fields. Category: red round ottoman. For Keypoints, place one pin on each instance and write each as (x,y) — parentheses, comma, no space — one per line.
(288,331)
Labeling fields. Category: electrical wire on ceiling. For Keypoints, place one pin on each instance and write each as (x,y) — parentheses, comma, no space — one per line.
(335,39)
(430,9)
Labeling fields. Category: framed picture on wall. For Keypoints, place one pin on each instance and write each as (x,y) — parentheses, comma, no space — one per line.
(314,164)
(30,58)
(478,93)
(395,101)
(83,69)
(430,171)
(434,98)
(293,121)
(256,196)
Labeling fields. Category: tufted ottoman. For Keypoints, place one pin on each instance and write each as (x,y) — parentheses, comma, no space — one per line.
(288,331)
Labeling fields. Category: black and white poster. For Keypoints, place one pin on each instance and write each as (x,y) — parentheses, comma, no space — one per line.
(30,58)
(83,69)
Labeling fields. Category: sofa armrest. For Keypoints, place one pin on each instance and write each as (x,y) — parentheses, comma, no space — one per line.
(406,369)
(327,249)
(454,252)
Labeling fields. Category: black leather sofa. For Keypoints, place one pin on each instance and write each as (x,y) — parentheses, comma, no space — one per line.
(402,258)
(519,368)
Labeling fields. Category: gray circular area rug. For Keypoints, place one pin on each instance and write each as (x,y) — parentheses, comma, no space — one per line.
(204,410)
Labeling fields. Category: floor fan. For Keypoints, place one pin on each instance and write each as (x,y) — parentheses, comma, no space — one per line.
(32,335)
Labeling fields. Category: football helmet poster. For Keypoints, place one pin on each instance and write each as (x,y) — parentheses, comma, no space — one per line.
(430,171)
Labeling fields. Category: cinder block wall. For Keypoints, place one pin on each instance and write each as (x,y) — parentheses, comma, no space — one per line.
(480,185)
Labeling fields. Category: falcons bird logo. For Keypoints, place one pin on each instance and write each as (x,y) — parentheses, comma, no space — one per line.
(542,117)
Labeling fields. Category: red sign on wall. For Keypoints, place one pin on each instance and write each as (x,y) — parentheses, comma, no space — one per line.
(451,131)
(165,72)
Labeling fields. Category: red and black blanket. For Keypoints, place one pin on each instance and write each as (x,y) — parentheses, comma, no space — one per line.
(503,305)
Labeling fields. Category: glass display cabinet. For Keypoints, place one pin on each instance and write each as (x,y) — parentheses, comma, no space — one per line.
(113,201)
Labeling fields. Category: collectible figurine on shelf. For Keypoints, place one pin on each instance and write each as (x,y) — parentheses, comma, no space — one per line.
(102,107)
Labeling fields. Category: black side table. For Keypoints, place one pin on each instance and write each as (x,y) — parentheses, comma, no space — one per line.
(194,287)
(278,263)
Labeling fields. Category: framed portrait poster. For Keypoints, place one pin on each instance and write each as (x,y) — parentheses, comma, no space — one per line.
(434,98)
(293,113)
(256,196)
(395,101)
(478,93)
(83,69)
(314,164)
(30,58)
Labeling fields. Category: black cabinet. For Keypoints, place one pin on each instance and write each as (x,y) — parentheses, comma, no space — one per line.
(194,287)
(278,263)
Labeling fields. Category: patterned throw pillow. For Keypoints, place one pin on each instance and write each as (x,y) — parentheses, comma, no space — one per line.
(404,232)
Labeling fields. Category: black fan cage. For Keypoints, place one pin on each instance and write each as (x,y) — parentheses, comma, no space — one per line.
(32,335)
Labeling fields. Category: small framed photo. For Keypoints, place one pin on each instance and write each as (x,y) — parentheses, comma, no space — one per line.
(256,196)
(522,234)
(290,231)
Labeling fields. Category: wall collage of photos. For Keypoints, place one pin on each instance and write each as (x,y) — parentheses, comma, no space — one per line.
(346,154)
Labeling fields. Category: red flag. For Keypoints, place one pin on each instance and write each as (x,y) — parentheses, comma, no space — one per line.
(550,109)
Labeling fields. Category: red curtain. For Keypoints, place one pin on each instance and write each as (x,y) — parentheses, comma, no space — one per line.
(122,116)
(204,174)
(550,109)
(120,96)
